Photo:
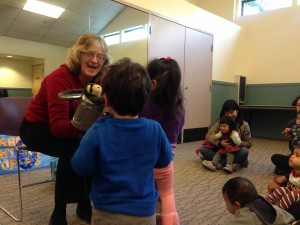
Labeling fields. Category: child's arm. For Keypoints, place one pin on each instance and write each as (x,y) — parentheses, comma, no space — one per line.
(86,153)
(211,133)
(287,132)
(276,182)
(218,135)
(235,138)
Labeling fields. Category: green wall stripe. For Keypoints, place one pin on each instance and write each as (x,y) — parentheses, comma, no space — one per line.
(272,94)
(221,91)
(19,92)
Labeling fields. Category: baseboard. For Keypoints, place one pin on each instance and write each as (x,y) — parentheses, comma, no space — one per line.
(194,134)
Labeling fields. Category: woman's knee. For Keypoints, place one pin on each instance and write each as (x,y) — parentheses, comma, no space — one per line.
(208,153)
(241,155)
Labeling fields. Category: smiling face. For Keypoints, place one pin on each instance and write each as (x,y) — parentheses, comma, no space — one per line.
(294,160)
(91,62)
(224,128)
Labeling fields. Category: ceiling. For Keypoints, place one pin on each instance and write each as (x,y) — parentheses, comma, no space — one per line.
(80,16)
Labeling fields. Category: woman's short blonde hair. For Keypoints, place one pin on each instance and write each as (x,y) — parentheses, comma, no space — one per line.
(84,43)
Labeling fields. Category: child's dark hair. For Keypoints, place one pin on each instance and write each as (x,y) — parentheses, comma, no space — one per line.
(232,105)
(294,103)
(168,93)
(127,86)
(240,189)
(297,146)
(227,120)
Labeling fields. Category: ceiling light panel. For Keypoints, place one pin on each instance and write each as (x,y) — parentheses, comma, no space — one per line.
(43,8)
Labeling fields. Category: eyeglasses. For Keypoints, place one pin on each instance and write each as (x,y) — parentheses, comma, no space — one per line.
(90,54)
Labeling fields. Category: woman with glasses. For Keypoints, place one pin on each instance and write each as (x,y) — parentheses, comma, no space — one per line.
(47,126)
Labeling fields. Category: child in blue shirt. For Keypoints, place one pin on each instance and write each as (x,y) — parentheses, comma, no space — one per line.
(121,151)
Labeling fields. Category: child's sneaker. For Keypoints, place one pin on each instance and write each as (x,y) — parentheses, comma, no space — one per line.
(228,169)
(197,151)
(209,165)
(236,167)
(219,166)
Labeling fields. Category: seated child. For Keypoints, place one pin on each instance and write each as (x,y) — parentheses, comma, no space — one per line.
(228,133)
(121,151)
(287,190)
(293,133)
(279,160)
(247,207)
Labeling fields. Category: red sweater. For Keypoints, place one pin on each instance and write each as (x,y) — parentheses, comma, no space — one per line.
(47,108)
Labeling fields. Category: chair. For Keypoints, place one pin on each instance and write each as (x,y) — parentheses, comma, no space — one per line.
(12,110)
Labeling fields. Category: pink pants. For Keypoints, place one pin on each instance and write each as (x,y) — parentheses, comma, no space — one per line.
(164,179)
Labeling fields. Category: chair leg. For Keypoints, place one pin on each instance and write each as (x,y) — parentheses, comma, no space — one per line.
(20,194)
(32,184)
(36,183)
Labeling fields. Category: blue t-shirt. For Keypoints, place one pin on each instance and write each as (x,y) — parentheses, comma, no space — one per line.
(120,155)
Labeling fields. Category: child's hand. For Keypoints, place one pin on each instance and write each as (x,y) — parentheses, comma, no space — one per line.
(218,135)
(286,131)
(272,186)
(225,143)
(296,189)
(276,182)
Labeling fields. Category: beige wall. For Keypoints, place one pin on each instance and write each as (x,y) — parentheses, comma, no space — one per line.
(223,8)
(271,49)
(15,73)
(53,55)
(272,46)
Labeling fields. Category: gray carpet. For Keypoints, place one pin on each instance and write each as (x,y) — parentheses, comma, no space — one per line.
(198,191)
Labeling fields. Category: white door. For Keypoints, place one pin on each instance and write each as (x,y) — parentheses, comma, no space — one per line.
(198,78)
